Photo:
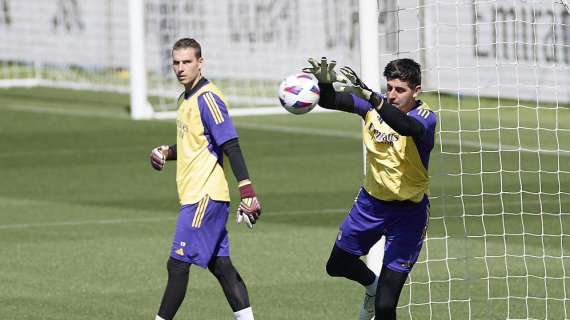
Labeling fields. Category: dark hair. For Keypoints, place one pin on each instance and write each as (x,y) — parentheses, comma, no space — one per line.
(405,70)
(188,43)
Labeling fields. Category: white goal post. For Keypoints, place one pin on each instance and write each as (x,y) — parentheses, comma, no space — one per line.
(140,106)
(370,66)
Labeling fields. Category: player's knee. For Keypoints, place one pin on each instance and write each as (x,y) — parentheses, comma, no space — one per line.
(221,266)
(339,262)
(334,269)
(177,268)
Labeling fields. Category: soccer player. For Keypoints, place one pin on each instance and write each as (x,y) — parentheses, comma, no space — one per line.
(204,133)
(398,133)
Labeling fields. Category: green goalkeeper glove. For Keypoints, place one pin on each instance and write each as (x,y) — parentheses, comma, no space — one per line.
(323,71)
(363,90)
(360,89)
(350,88)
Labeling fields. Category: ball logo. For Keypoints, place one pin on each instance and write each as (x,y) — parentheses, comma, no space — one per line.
(299,93)
(293,89)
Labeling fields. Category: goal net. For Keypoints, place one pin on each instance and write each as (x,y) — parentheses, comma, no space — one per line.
(497,73)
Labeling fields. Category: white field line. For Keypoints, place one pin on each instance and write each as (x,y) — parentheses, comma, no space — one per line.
(171,218)
(162,115)
(149,219)
(67,151)
(242,112)
(84,222)
(296,130)
(65,111)
(358,136)
(305,131)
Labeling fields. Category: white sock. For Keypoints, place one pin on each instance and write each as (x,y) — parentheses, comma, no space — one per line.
(371,288)
(244,314)
(158,318)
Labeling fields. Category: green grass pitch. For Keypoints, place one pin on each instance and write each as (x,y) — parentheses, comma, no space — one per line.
(86,224)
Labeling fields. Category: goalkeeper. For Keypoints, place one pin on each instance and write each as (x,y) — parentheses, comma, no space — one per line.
(398,133)
(204,133)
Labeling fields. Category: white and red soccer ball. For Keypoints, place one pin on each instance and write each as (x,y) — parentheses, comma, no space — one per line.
(299,93)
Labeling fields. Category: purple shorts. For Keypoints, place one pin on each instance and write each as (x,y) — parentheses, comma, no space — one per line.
(201,232)
(403,223)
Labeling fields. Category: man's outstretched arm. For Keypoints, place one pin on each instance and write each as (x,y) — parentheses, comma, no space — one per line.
(249,208)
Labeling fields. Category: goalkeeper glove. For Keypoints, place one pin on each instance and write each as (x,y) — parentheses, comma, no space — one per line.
(360,89)
(158,157)
(359,86)
(351,89)
(249,208)
(323,71)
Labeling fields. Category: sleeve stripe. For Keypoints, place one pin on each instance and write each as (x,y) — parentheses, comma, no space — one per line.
(211,108)
(423,113)
(214,108)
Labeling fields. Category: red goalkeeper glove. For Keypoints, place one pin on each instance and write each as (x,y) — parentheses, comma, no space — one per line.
(249,208)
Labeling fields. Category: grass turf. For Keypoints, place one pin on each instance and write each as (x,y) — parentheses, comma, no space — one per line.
(86,225)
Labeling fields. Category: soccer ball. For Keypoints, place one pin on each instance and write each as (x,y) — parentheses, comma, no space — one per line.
(299,93)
